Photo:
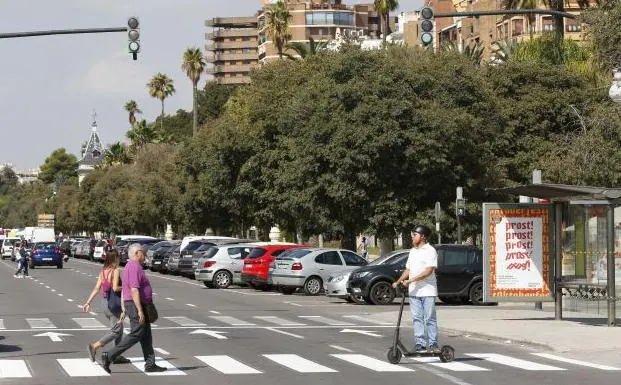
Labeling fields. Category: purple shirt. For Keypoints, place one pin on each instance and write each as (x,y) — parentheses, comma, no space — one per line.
(134,277)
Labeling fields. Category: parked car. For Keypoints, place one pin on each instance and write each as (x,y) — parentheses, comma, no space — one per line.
(99,251)
(310,268)
(45,254)
(85,249)
(7,246)
(336,285)
(125,243)
(459,277)
(148,258)
(221,265)
(163,257)
(257,264)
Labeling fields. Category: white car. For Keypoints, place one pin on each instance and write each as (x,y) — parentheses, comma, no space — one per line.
(7,246)
(222,265)
(99,253)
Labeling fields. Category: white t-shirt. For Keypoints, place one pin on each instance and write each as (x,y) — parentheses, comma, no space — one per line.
(419,259)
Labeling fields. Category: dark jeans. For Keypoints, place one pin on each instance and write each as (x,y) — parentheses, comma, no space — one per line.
(139,333)
(23,266)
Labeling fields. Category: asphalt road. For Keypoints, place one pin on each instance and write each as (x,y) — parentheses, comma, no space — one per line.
(241,336)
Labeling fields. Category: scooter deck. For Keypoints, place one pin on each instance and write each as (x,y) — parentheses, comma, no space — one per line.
(422,354)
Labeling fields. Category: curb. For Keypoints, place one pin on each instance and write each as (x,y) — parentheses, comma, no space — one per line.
(500,340)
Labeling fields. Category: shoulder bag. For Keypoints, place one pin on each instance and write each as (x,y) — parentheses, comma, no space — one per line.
(114,299)
(150,312)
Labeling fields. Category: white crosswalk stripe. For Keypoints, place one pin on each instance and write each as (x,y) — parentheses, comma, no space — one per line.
(138,362)
(14,369)
(367,319)
(514,362)
(371,363)
(82,367)
(40,323)
(88,323)
(324,320)
(227,365)
(184,321)
(231,320)
(299,364)
(575,362)
(277,320)
(454,366)
(2,324)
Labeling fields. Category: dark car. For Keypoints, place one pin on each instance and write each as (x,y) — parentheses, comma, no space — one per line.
(46,254)
(159,255)
(459,276)
(123,246)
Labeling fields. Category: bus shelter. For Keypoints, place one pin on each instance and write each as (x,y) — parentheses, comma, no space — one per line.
(585,226)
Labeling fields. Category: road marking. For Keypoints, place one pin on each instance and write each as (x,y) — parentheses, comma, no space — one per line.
(69,300)
(184,321)
(61,295)
(277,320)
(299,364)
(371,363)
(172,371)
(81,367)
(53,290)
(2,324)
(293,303)
(514,362)
(214,312)
(47,287)
(92,313)
(575,362)
(452,366)
(324,320)
(341,348)
(40,323)
(170,299)
(227,365)
(41,283)
(161,351)
(365,332)
(190,305)
(14,369)
(365,319)
(231,320)
(285,333)
(88,323)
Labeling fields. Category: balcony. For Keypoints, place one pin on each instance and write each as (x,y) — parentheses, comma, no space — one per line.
(245,32)
(231,56)
(221,69)
(233,80)
(216,45)
(231,22)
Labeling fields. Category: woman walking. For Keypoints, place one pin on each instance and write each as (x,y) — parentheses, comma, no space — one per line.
(22,259)
(109,282)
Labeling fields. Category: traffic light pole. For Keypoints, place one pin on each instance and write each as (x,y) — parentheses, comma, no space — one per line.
(61,32)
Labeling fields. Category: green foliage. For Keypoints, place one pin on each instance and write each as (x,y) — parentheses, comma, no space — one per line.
(8,180)
(132,109)
(23,203)
(604,32)
(276,25)
(59,167)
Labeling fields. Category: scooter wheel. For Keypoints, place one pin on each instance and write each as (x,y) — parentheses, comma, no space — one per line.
(447,353)
(394,355)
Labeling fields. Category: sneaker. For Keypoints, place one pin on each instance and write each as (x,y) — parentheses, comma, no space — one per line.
(122,360)
(105,362)
(155,369)
(420,349)
(434,349)
(91,352)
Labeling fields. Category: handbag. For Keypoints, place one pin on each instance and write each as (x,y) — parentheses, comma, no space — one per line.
(150,312)
(114,301)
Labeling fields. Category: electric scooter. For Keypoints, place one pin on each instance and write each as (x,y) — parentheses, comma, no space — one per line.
(398,350)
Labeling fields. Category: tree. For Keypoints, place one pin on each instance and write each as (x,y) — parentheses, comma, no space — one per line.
(604,33)
(142,134)
(116,154)
(304,50)
(132,108)
(59,166)
(474,52)
(8,179)
(193,65)
(384,7)
(277,25)
(161,87)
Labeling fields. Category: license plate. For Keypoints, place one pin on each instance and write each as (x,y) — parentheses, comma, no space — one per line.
(157,262)
(47,259)
(249,266)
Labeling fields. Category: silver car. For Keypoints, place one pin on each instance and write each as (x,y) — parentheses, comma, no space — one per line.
(310,268)
(221,266)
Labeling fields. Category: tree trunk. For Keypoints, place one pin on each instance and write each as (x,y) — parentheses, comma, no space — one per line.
(386,246)
(194,103)
(162,117)
(386,26)
(559,21)
(383,28)
(349,239)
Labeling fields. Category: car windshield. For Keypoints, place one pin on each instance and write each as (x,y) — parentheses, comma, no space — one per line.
(211,252)
(194,245)
(294,254)
(388,259)
(41,246)
(256,253)
(204,246)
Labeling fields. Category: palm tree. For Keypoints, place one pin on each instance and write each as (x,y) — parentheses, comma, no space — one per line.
(503,50)
(116,154)
(132,107)
(384,7)
(161,87)
(304,50)
(277,25)
(194,65)
(142,134)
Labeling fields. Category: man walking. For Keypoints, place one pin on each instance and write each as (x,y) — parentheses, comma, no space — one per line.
(420,275)
(136,293)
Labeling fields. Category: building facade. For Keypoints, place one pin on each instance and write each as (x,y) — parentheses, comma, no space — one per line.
(92,154)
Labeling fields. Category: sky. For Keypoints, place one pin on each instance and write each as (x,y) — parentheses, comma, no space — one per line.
(50,85)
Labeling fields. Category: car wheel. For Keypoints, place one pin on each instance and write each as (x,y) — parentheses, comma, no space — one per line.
(382,293)
(287,290)
(357,299)
(313,286)
(222,279)
(59,266)
(476,294)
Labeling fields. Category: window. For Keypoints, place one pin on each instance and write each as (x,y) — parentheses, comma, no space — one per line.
(246,38)
(278,252)
(239,252)
(573,28)
(455,257)
(329,258)
(246,62)
(352,259)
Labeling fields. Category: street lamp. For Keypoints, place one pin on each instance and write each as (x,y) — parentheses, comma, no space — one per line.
(615,87)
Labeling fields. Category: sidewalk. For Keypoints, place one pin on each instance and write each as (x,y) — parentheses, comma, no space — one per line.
(521,324)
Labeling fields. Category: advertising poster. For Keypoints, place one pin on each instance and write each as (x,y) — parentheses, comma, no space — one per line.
(517,252)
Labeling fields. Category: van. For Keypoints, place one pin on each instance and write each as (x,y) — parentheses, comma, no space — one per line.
(7,246)
(124,237)
(42,234)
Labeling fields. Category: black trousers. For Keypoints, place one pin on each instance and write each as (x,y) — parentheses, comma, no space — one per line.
(139,333)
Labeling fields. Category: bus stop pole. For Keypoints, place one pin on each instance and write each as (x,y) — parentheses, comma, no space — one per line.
(610,264)
(558,267)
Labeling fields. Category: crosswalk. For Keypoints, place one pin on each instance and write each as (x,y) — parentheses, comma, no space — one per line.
(65,322)
(330,363)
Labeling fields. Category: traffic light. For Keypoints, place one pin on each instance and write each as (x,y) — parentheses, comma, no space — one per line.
(133,35)
(426,26)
